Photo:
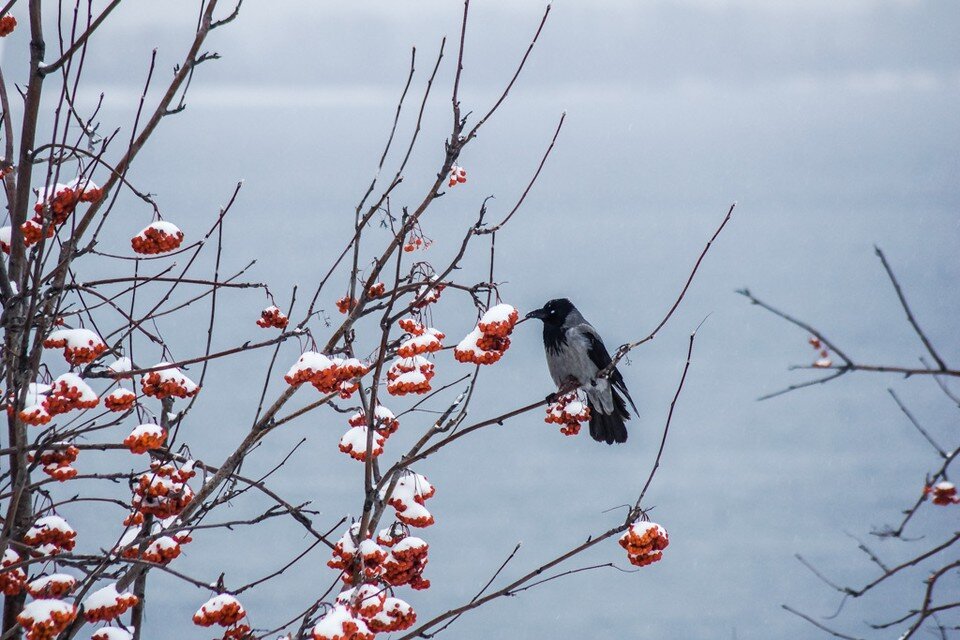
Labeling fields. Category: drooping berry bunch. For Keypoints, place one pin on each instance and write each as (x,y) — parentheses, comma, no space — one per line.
(50,535)
(157,237)
(107,604)
(80,346)
(354,441)
(168,382)
(58,462)
(490,339)
(644,542)
(273,317)
(327,374)
(569,412)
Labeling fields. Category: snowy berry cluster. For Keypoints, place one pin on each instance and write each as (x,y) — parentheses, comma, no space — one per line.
(57,585)
(410,375)
(45,619)
(80,346)
(327,374)
(161,549)
(942,493)
(120,400)
(145,437)
(423,339)
(644,542)
(13,580)
(569,412)
(273,317)
(490,339)
(458,175)
(157,237)
(226,611)
(107,604)
(408,497)
(163,491)
(58,462)
(50,535)
(53,205)
(823,356)
(354,441)
(168,382)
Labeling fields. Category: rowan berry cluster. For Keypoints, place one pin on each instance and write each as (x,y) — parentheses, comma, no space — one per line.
(157,237)
(50,535)
(226,611)
(569,412)
(57,585)
(58,462)
(163,491)
(120,400)
(168,382)
(107,604)
(644,542)
(327,374)
(80,346)
(487,343)
(12,581)
(942,493)
(823,356)
(423,339)
(145,437)
(408,497)
(45,619)
(458,175)
(7,25)
(410,375)
(273,317)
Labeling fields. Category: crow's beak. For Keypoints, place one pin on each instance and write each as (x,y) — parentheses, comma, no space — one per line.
(539,314)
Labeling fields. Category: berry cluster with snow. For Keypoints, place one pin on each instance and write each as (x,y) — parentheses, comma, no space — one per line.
(157,237)
(644,542)
(569,411)
(487,343)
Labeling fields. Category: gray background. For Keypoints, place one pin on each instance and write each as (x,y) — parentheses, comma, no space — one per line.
(833,124)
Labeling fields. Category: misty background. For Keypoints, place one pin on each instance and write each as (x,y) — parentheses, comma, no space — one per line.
(833,125)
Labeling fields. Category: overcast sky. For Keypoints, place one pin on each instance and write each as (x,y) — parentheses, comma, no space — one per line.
(835,127)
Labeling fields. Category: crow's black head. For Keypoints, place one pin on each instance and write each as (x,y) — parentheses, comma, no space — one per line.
(554,312)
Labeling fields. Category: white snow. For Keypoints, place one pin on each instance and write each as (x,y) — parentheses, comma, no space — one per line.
(331,624)
(112,633)
(147,429)
(49,523)
(72,380)
(104,598)
(171,373)
(61,578)
(121,365)
(216,603)
(76,338)
(161,225)
(498,314)
(42,610)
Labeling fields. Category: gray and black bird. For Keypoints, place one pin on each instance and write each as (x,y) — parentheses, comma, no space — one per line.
(575,350)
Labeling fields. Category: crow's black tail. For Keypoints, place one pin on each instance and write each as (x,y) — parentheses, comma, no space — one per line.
(609,427)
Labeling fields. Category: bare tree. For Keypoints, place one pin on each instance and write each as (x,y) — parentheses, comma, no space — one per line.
(102,330)
(932,602)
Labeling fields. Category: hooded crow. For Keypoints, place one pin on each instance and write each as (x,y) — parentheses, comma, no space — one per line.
(574,350)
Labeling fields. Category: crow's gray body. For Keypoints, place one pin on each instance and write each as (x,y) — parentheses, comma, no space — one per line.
(575,351)
(570,358)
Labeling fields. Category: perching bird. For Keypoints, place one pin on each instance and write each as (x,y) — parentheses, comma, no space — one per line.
(574,350)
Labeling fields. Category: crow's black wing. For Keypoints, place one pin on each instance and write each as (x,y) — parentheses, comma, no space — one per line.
(600,357)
